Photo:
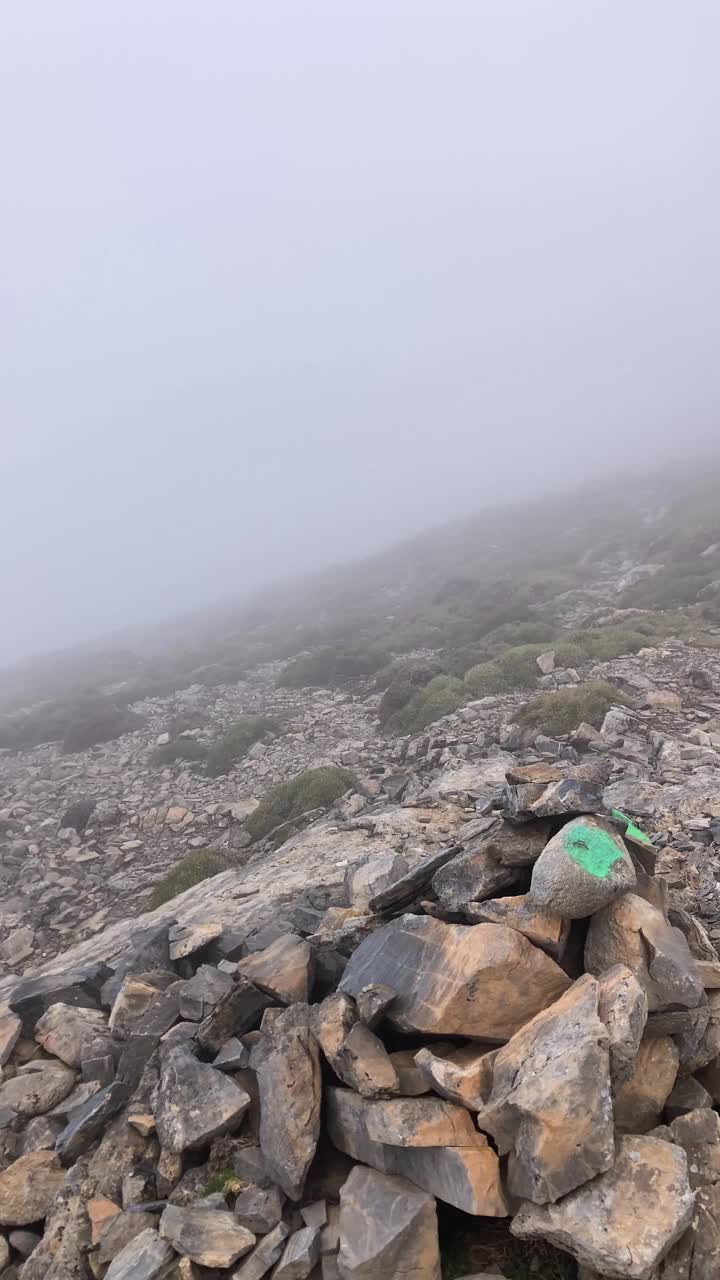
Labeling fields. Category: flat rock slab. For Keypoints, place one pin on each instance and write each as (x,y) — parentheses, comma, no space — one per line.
(483,981)
(467,1177)
(147,1257)
(80,987)
(623,1222)
(10,1028)
(365,879)
(540,925)
(35,1092)
(286,1060)
(237,1012)
(388,1229)
(28,1188)
(264,1256)
(195,1102)
(64,1030)
(582,868)
(283,970)
(362,1061)
(90,1121)
(421,1122)
(299,1255)
(402,892)
(550,1105)
(210,1237)
(471,876)
(184,939)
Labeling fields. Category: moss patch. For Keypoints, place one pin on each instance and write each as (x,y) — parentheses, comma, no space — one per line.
(190,870)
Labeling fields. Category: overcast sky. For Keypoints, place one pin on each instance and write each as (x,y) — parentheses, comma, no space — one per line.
(284,280)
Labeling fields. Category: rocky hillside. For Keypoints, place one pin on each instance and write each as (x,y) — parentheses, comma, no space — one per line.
(377,958)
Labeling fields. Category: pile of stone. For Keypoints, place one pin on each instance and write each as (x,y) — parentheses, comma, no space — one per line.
(518,1027)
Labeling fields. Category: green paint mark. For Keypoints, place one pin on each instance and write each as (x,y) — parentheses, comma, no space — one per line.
(630,829)
(593,850)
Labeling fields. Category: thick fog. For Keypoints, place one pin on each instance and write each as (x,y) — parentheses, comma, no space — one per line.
(284,281)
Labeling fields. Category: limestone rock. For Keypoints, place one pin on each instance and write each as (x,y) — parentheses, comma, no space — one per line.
(259,1209)
(482,981)
(136,996)
(299,1255)
(402,891)
(388,1229)
(370,876)
(463,1075)
(332,1021)
(119,1230)
(471,876)
(640,1100)
(200,994)
(362,1061)
(623,1222)
(37,1090)
(264,1256)
(79,986)
(283,970)
(65,1029)
(582,869)
(10,1028)
(89,1121)
(550,1104)
(421,1122)
(540,925)
(518,846)
(632,932)
(28,1188)
(210,1237)
(687,1094)
(286,1060)
(184,939)
(147,1257)
(623,1007)
(697,1253)
(237,1012)
(195,1102)
(467,1177)
(372,1002)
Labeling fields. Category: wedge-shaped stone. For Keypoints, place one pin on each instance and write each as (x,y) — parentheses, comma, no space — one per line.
(462,1075)
(467,1177)
(421,1122)
(283,970)
(80,987)
(623,1222)
(299,1255)
(471,876)
(550,1105)
(541,926)
(28,1188)
(367,878)
(632,932)
(264,1256)
(10,1028)
(640,1100)
(286,1060)
(237,1012)
(518,846)
(388,1229)
(210,1237)
(623,1007)
(195,1102)
(147,1257)
(362,1061)
(482,981)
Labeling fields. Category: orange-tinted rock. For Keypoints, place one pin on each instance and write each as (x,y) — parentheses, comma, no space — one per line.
(388,1229)
(482,981)
(640,1100)
(283,970)
(632,932)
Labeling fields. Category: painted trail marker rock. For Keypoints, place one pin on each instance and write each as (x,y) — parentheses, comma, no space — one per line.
(582,869)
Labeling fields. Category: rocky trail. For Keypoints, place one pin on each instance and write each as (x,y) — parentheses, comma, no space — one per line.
(466,1020)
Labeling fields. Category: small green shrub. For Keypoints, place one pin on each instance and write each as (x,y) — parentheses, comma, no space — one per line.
(190,870)
(225,1181)
(516,668)
(238,739)
(567,654)
(442,696)
(562,710)
(330,666)
(178,749)
(485,680)
(311,789)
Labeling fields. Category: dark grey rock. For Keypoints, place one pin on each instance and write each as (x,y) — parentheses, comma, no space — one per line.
(90,1121)
(404,890)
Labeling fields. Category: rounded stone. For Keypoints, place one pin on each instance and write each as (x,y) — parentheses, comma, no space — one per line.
(582,869)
